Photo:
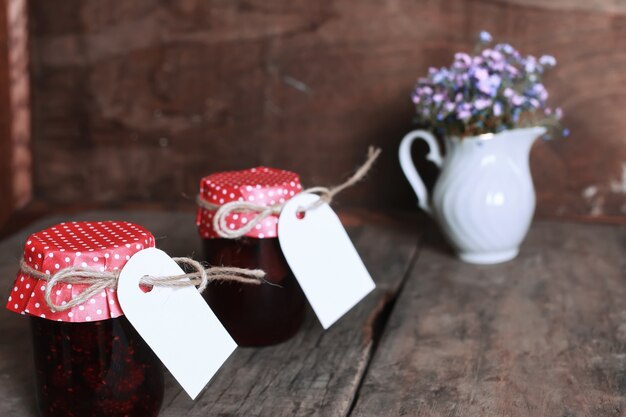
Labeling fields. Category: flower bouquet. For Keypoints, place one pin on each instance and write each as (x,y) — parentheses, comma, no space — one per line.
(494,90)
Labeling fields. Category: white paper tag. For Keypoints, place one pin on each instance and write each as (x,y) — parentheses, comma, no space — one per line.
(176,323)
(323,259)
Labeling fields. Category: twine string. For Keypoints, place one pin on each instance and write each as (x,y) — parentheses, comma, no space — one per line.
(326,194)
(97,281)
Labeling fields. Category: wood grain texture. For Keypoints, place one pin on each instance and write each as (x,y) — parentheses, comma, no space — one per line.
(137,101)
(6,144)
(543,335)
(15,155)
(316,373)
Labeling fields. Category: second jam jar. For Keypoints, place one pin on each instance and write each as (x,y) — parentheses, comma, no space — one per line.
(89,360)
(254,315)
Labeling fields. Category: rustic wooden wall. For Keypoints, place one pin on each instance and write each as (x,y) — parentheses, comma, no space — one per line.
(15,157)
(134,101)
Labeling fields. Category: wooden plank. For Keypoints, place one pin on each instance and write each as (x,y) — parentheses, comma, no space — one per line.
(6,144)
(543,335)
(137,101)
(15,162)
(577,5)
(315,373)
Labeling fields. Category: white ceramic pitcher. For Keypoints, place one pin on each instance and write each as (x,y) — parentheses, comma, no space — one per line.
(484,198)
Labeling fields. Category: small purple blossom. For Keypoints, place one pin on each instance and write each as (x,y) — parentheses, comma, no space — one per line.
(540,91)
(511,70)
(547,61)
(517,100)
(505,47)
(482,103)
(530,64)
(462,59)
(490,85)
(438,98)
(479,73)
(463,114)
(485,37)
(497,109)
(558,113)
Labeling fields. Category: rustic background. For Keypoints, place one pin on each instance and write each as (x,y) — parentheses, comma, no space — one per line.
(135,101)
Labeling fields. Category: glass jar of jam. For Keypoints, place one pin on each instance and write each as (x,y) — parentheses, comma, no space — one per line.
(89,360)
(254,315)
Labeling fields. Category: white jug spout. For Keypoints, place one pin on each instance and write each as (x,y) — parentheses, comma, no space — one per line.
(524,138)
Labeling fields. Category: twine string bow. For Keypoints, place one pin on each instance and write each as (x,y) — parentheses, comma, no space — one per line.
(98,281)
(326,194)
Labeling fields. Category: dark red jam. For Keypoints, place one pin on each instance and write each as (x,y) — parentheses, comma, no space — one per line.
(255,315)
(95,369)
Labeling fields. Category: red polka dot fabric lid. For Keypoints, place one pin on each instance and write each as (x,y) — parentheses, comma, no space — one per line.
(263,186)
(102,246)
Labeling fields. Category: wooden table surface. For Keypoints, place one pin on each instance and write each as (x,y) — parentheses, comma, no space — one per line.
(543,335)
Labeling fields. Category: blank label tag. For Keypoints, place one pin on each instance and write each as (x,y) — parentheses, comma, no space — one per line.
(323,259)
(176,323)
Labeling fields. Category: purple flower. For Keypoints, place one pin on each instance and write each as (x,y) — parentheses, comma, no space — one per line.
(497,56)
(479,73)
(482,103)
(440,76)
(492,55)
(461,79)
(505,47)
(464,111)
(558,112)
(517,100)
(531,64)
(485,37)
(511,70)
(547,60)
(497,109)
(489,85)
(463,59)
(438,98)
(540,91)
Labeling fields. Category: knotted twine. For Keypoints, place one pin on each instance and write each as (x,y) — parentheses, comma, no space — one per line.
(97,281)
(326,196)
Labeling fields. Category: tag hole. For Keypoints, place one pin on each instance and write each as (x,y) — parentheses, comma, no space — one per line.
(300,215)
(145,288)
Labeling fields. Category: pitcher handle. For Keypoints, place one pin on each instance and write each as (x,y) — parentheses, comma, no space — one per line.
(406,162)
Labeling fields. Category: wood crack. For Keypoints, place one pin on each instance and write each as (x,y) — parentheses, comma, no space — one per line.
(377,321)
